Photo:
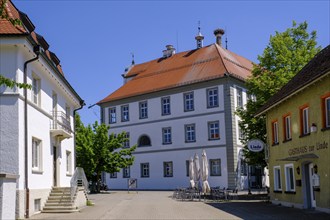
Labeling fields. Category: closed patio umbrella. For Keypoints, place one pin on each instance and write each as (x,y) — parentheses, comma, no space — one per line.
(196,170)
(205,173)
(191,172)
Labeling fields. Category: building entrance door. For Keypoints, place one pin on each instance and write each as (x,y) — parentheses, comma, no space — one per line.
(54,166)
(312,193)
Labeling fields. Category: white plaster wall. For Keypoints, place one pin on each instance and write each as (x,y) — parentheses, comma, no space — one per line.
(177,108)
(8,134)
(12,64)
(178,151)
(7,198)
(157,180)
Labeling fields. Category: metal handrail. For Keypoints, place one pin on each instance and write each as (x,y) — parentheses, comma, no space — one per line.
(60,121)
(78,176)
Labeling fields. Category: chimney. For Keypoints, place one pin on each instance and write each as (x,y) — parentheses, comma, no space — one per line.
(218,34)
(170,50)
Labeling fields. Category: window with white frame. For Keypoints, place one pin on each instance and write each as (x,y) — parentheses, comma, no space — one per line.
(36,154)
(289,178)
(214,132)
(239,97)
(215,167)
(143,109)
(166,106)
(126,141)
(190,134)
(277,178)
(212,98)
(113,175)
(124,113)
(127,172)
(188,101)
(304,120)
(168,169)
(144,170)
(275,132)
(287,127)
(35,90)
(67,113)
(68,162)
(241,134)
(37,205)
(112,115)
(167,135)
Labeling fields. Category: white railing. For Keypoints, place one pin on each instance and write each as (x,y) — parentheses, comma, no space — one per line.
(78,179)
(60,122)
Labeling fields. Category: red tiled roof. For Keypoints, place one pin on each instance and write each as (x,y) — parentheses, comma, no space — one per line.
(27,28)
(6,27)
(183,68)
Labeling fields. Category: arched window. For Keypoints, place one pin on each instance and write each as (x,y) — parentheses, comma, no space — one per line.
(144,141)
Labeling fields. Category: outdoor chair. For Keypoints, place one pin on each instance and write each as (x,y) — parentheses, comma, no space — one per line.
(233,195)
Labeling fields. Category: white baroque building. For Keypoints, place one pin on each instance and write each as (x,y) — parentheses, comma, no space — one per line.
(178,105)
(36,125)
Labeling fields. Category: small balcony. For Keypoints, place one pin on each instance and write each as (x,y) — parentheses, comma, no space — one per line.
(60,125)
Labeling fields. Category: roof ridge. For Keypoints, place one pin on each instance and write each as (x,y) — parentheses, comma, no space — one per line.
(216,46)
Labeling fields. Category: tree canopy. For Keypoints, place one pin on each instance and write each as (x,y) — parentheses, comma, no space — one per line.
(282,59)
(98,151)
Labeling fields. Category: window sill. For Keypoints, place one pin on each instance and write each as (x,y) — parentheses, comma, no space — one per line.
(287,140)
(167,143)
(304,135)
(37,171)
(214,139)
(190,141)
(68,174)
(215,174)
(168,176)
(325,129)
(275,144)
(277,191)
(290,192)
(215,106)
(144,176)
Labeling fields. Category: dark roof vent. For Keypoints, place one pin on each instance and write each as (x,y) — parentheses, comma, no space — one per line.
(42,42)
(26,21)
(54,58)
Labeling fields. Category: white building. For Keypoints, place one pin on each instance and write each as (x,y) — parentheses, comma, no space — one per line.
(36,125)
(178,105)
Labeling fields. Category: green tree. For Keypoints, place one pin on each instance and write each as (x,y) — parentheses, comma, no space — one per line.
(97,151)
(3,80)
(282,59)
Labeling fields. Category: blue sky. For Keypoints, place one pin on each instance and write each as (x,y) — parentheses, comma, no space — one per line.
(94,39)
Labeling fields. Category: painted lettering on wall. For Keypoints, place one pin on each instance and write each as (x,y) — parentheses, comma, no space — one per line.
(301,150)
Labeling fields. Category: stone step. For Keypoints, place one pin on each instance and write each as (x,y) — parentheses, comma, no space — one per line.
(60,197)
(60,211)
(60,208)
(58,204)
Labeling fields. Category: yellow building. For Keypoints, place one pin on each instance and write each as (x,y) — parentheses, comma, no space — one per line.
(298,144)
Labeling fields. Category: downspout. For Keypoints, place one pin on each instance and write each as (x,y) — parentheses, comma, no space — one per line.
(36,50)
(82,104)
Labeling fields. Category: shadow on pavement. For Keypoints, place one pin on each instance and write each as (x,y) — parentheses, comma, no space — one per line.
(265,210)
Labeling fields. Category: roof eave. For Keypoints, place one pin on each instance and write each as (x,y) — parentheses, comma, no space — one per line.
(304,86)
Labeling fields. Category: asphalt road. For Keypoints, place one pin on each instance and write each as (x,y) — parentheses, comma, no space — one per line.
(160,205)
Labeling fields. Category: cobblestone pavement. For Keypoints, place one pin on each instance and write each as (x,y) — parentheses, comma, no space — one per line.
(160,205)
